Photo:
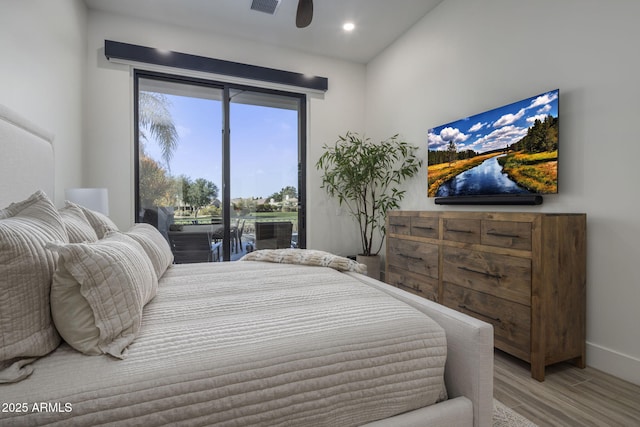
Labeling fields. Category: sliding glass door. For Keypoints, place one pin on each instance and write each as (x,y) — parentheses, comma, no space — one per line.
(264,160)
(217,165)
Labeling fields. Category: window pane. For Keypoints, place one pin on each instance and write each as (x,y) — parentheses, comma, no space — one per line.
(180,154)
(264,164)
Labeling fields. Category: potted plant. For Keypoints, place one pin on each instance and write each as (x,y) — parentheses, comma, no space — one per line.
(366,178)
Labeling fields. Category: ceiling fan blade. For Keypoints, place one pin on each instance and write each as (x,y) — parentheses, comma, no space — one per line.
(304,14)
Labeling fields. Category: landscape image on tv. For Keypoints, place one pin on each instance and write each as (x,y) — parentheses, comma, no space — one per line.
(508,150)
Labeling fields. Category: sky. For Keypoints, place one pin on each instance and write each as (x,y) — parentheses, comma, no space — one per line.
(264,145)
(497,128)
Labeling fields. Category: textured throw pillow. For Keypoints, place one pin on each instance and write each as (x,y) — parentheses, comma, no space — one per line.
(26,268)
(306,257)
(99,290)
(100,223)
(154,244)
(76,224)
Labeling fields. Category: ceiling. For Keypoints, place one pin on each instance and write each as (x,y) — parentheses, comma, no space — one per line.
(378,22)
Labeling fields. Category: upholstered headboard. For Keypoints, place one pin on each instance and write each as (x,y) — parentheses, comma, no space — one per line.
(26,158)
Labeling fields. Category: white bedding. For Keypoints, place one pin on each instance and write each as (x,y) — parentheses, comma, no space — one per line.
(248,343)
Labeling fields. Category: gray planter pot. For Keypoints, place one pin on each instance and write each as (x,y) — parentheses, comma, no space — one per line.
(372,263)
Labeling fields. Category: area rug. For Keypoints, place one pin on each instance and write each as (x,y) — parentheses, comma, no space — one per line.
(505,417)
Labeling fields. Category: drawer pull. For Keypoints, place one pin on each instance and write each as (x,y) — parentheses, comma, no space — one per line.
(414,258)
(423,228)
(398,225)
(452,230)
(484,273)
(493,233)
(464,307)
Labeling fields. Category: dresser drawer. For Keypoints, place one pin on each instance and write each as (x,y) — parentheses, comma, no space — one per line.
(424,227)
(511,321)
(461,230)
(426,287)
(416,257)
(503,276)
(399,225)
(507,234)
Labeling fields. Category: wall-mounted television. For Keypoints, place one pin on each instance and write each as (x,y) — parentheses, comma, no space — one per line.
(508,155)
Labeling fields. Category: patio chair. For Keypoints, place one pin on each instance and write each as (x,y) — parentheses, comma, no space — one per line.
(189,247)
(273,235)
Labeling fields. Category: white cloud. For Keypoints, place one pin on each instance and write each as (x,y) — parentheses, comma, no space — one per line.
(434,142)
(477,127)
(509,119)
(543,99)
(441,141)
(499,138)
(453,134)
(540,117)
(544,109)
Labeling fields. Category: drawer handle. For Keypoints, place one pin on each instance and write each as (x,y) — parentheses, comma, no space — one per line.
(464,307)
(398,225)
(493,233)
(484,273)
(411,257)
(452,230)
(423,228)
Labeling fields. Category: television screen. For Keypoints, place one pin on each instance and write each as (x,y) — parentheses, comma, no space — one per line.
(510,150)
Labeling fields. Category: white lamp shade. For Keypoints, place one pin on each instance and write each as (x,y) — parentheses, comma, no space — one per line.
(96,199)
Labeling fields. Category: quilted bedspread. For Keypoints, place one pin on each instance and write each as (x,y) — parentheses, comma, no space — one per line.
(246,344)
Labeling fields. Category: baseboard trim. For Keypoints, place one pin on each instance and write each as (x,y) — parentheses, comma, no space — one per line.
(613,362)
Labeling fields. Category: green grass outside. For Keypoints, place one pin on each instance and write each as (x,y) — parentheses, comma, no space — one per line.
(249,219)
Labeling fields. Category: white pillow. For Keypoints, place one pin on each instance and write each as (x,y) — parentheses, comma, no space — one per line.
(26,268)
(76,224)
(100,222)
(99,291)
(154,244)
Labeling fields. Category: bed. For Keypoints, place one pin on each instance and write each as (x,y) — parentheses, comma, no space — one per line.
(118,335)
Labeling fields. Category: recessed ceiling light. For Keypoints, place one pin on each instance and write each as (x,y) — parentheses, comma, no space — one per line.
(349,26)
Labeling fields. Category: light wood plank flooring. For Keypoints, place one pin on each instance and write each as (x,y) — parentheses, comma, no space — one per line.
(569,396)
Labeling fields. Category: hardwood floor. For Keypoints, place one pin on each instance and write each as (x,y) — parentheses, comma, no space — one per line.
(569,396)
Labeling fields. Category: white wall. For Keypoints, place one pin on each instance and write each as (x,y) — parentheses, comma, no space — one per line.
(110,112)
(43,45)
(466,57)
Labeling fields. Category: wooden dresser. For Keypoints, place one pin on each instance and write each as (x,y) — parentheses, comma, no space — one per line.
(525,273)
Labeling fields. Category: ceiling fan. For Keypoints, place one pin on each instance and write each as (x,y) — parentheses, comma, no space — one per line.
(304,14)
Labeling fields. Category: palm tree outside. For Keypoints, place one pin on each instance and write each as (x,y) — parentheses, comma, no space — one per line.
(155,118)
